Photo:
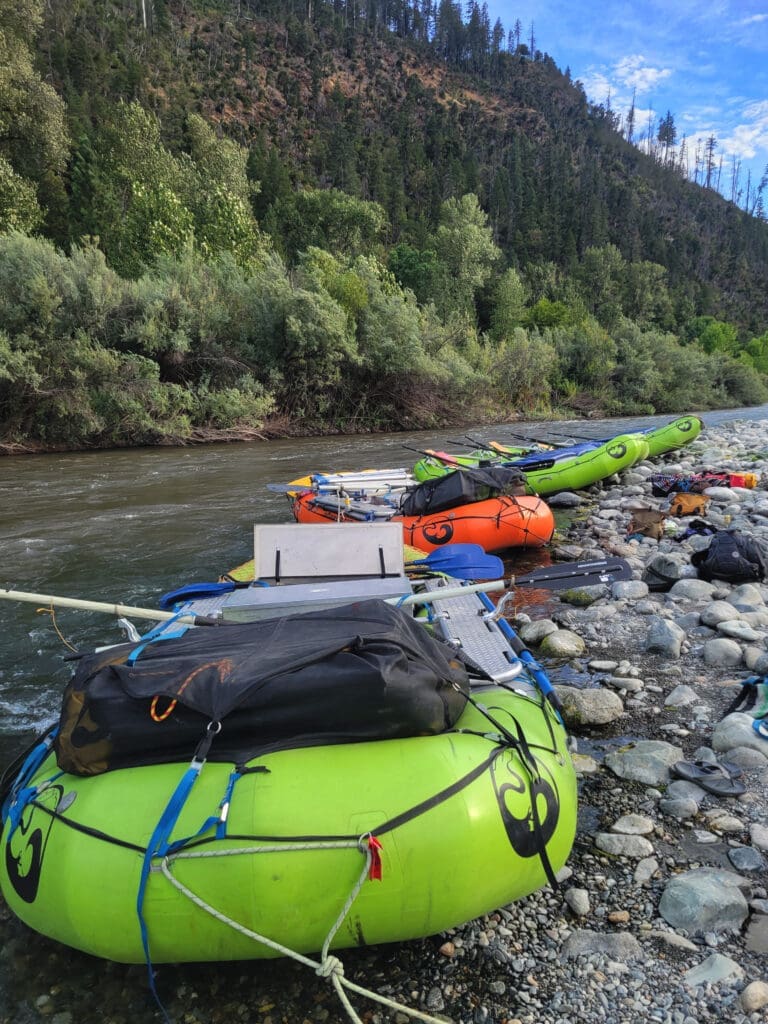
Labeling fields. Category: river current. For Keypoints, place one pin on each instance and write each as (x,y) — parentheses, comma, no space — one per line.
(125,526)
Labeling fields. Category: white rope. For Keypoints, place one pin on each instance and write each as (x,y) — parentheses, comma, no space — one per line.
(329,966)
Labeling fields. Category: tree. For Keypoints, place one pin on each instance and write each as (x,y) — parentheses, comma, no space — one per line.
(600,275)
(19,208)
(221,196)
(33,134)
(509,304)
(329,219)
(666,135)
(464,243)
(630,120)
(418,269)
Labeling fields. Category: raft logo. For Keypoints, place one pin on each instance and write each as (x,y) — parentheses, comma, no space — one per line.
(25,867)
(524,837)
(438,533)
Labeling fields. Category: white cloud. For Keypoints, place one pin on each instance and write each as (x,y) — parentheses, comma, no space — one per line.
(750,138)
(597,85)
(636,73)
(753,20)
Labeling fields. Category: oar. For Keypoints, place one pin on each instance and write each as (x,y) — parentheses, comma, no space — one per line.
(534,668)
(577,437)
(462,561)
(534,440)
(566,574)
(118,610)
(497,451)
(156,615)
(470,561)
(449,460)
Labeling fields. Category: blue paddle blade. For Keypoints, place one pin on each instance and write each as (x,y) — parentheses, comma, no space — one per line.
(463,562)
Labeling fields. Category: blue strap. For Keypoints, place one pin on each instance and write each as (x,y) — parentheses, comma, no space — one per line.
(158,632)
(158,846)
(23,798)
(32,762)
(196,590)
(218,820)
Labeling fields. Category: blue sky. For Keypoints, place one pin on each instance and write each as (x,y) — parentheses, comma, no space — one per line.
(706,61)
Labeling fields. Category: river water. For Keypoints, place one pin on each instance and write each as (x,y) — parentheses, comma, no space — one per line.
(125,526)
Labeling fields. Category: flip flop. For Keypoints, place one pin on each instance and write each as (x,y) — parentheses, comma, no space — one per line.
(711,777)
(761,727)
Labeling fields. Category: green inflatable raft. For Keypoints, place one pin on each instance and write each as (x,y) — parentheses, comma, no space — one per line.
(551,474)
(453,815)
(114,846)
(671,436)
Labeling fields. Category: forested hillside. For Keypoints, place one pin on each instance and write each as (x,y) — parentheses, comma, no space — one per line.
(224,217)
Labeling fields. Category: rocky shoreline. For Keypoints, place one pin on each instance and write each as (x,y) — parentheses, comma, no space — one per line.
(662,912)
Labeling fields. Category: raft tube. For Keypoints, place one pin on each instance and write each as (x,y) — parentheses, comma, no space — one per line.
(494,523)
(547,475)
(456,815)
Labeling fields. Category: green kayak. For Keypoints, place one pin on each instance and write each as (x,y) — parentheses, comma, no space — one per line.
(549,473)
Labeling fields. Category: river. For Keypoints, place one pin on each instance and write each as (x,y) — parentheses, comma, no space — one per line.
(124,526)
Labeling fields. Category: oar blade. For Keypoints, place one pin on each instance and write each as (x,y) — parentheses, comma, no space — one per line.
(462,561)
(577,574)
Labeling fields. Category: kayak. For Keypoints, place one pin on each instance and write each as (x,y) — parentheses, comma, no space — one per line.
(548,474)
(321,823)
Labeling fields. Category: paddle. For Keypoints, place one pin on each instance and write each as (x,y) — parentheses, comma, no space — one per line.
(462,561)
(470,561)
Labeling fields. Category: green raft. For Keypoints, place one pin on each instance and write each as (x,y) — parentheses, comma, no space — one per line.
(551,474)
(433,829)
(671,436)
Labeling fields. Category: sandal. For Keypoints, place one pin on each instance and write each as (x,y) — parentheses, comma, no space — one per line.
(710,776)
(761,727)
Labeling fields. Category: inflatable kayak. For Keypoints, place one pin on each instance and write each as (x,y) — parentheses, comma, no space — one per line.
(547,474)
(223,794)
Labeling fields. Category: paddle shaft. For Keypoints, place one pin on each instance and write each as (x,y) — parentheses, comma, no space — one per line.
(46,600)
(118,610)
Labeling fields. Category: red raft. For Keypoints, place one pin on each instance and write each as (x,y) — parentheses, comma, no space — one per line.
(507,521)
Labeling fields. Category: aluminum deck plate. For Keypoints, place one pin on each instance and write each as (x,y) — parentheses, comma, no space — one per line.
(462,621)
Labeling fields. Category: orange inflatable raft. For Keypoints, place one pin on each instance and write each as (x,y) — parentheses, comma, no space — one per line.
(495,523)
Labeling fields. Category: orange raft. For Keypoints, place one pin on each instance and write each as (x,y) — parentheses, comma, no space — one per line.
(524,521)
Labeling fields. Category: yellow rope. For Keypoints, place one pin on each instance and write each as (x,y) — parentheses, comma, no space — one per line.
(51,611)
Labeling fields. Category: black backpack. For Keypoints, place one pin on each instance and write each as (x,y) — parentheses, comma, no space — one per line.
(733,557)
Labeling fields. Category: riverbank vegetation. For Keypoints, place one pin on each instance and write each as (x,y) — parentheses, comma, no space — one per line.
(172,272)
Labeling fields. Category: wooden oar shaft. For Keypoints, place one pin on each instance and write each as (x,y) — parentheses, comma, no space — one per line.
(46,600)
